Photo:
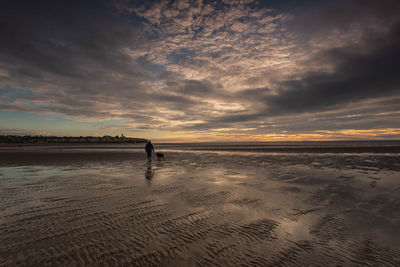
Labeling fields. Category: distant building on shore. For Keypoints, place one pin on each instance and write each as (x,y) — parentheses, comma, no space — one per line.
(35,139)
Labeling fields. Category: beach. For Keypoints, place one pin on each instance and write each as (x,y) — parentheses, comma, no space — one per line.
(203,205)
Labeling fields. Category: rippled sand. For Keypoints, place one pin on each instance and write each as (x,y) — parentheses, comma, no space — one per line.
(108,207)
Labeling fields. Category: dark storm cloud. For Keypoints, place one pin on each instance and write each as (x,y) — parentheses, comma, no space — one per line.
(199,88)
(358,75)
(173,99)
(74,39)
(70,55)
(196,88)
(327,17)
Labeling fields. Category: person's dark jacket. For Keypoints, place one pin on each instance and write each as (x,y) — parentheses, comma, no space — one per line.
(149,148)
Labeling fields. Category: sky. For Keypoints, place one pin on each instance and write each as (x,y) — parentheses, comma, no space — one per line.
(228,70)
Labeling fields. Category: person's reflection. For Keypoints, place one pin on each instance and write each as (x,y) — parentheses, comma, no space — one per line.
(149,172)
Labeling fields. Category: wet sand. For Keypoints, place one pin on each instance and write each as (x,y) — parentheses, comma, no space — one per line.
(109,207)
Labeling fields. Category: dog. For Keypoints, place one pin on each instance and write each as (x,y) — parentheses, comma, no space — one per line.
(160,155)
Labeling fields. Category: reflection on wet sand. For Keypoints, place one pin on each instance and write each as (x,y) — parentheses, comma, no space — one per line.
(202,209)
(149,171)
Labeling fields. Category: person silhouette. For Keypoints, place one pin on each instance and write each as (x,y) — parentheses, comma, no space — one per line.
(149,149)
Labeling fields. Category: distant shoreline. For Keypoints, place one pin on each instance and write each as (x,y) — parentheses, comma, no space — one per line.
(55,140)
(63,144)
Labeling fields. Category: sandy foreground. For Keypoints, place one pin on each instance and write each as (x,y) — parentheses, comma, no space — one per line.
(109,207)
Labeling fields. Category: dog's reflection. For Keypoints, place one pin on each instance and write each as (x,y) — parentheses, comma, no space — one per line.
(149,172)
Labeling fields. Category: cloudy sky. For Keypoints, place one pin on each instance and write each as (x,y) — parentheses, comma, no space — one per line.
(201,70)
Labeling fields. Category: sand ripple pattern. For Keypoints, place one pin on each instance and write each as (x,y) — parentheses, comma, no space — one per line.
(199,210)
